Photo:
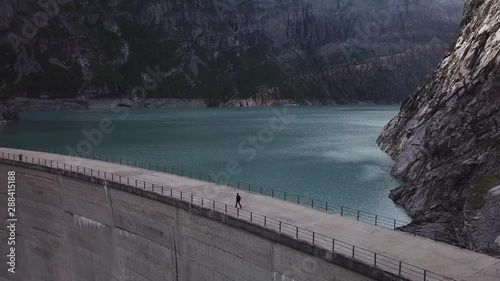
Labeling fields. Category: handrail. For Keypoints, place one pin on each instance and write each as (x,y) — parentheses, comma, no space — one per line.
(321,205)
(333,245)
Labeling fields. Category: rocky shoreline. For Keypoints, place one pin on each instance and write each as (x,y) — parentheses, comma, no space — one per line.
(34,105)
(8,115)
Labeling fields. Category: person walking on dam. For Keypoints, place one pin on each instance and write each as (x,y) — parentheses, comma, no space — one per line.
(238,200)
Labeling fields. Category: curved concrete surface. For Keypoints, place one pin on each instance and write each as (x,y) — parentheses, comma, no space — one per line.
(437,257)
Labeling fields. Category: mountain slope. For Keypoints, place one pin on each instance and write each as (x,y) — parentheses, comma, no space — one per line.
(316,51)
(446,139)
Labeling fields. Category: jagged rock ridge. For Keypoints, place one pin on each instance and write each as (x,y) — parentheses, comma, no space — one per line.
(446,139)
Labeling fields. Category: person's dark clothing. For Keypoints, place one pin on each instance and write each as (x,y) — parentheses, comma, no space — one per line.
(238,201)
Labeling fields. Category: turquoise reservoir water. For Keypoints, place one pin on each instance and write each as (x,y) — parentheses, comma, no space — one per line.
(328,153)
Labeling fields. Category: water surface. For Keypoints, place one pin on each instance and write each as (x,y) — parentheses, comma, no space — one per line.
(327,153)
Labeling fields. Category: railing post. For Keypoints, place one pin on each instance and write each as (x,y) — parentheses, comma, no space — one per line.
(400,264)
(202,201)
(333,245)
(225,209)
(376,218)
(285,196)
(353,247)
(425,275)
(191,198)
(312,203)
(358,215)
(326,207)
(375,260)
(313,237)
(214,205)
(265,221)
(297,232)
(181,195)
(237,212)
(251,216)
(394,224)
(341,211)
(280,226)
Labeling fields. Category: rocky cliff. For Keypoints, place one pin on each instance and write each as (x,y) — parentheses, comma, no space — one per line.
(226,52)
(446,139)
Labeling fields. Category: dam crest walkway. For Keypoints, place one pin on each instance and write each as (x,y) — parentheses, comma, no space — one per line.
(415,258)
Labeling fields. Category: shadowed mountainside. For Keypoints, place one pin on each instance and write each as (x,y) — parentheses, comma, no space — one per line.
(225,52)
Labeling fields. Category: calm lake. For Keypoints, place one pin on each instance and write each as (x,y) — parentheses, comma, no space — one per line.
(327,153)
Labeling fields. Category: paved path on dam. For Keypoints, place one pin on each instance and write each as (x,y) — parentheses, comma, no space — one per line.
(437,257)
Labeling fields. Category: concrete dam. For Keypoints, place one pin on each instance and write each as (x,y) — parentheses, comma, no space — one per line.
(81,219)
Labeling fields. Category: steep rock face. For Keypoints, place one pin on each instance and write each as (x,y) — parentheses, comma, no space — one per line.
(220,50)
(446,139)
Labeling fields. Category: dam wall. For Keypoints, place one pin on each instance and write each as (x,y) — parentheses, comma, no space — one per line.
(75,227)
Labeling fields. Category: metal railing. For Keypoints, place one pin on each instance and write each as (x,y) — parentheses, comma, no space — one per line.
(333,245)
(321,205)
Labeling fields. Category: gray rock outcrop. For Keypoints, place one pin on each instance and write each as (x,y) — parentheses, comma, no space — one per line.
(7,115)
(446,139)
